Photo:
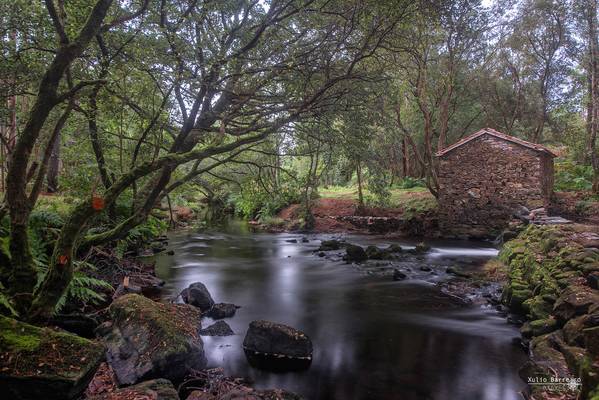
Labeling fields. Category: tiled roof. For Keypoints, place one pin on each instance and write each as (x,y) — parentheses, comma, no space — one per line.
(499,135)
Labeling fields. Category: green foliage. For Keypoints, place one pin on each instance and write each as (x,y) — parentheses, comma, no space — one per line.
(140,234)
(83,288)
(570,175)
(378,186)
(409,182)
(255,202)
(6,305)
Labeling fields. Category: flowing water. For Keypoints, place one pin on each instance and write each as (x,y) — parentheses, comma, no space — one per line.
(373,338)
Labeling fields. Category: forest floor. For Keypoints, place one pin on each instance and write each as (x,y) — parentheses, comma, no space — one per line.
(337,203)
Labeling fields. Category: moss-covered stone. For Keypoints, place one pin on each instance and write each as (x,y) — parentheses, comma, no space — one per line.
(44,364)
(537,308)
(149,340)
(542,326)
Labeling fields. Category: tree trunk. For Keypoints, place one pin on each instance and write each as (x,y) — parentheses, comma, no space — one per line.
(53,167)
(594,90)
(360,193)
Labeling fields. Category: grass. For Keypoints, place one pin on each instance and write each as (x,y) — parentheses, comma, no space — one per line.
(415,199)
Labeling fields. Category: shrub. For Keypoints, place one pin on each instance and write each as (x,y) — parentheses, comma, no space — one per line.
(570,175)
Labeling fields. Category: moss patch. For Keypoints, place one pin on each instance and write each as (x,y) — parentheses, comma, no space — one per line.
(27,350)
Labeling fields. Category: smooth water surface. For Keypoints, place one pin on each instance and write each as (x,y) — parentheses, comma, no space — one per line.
(373,338)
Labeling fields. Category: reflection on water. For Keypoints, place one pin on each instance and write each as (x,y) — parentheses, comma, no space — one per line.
(373,338)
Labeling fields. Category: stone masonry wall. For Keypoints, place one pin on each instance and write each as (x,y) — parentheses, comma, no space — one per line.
(483,181)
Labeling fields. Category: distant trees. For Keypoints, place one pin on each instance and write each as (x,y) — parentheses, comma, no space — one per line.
(197,84)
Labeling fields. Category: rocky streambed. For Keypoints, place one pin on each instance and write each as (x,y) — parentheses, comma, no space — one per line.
(315,316)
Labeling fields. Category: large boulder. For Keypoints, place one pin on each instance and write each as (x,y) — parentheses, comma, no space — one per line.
(156,389)
(150,340)
(355,253)
(198,295)
(270,345)
(38,363)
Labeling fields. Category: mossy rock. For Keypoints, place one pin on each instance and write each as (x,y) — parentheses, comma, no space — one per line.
(394,248)
(328,245)
(39,363)
(545,359)
(589,372)
(355,253)
(517,299)
(542,326)
(573,333)
(537,308)
(374,253)
(149,340)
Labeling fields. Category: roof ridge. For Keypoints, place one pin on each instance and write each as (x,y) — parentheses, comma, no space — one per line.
(497,134)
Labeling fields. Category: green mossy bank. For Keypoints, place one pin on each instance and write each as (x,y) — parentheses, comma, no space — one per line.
(553,276)
(41,363)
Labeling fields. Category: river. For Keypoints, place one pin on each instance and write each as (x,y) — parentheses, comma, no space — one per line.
(373,338)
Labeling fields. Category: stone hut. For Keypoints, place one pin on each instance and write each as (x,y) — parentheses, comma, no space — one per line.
(487,177)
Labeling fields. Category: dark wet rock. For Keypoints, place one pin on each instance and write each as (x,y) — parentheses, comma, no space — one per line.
(269,345)
(355,253)
(321,254)
(572,330)
(591,340)
(328,245)
(375,253)
(148,340)
(305,240)
(593,280)
(398,275)
(156,389)
(222,310)
(157,247)
(457,272)
(574,300)
(219,328)
(38,363)
(425,268)
(80,324)
(171,252)
(291,241)
(394,248)
(198,295)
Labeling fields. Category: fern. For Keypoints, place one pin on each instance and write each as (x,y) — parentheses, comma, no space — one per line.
(5,302)
(83,288)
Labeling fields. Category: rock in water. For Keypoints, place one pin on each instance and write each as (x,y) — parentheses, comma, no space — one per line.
(328,245)
(270,345)
(157,389)
(422,248)
(355,253)
(219,328)
(148,340)
(198,295)
(222,310)
(398,275)
(38,363)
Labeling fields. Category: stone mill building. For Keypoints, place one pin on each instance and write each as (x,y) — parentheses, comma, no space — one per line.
(487,177)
